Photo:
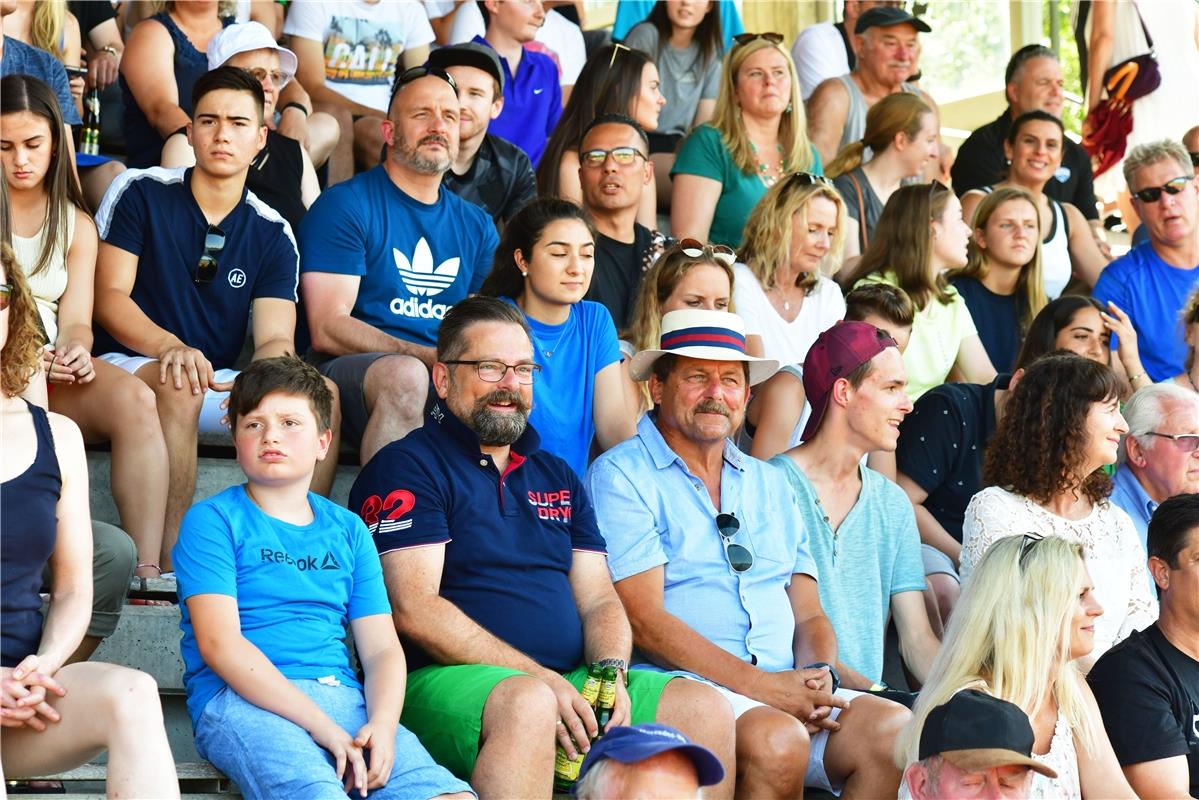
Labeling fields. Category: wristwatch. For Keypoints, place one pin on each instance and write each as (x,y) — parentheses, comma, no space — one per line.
(832,671)
(621,665)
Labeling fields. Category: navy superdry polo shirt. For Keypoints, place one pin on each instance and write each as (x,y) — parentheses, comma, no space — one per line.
(509,538)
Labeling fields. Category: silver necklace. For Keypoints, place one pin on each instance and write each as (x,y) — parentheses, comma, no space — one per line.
(548,352)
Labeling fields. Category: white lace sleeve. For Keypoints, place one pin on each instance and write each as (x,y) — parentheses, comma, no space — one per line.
(988,518)
(1142,605)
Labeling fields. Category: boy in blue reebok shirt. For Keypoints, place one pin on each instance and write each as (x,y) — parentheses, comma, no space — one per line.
(269,574)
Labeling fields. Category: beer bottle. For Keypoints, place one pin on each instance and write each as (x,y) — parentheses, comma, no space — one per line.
(606,703)
(566,769)
(90,142)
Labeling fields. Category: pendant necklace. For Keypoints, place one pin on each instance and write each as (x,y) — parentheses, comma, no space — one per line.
(763,170)
(548,352)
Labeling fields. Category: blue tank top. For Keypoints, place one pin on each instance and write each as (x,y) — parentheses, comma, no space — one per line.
(28,506)
(143,145)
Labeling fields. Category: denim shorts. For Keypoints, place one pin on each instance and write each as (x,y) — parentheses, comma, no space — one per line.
(270,757)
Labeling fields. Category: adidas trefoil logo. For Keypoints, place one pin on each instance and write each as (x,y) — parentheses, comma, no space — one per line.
(419,275)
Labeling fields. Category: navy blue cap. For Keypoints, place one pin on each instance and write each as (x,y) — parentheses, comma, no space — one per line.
(886,16)
(628,745)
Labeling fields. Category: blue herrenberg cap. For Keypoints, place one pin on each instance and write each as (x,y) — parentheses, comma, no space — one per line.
(628,745)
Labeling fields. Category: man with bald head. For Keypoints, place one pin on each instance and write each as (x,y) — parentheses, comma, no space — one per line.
(385,256)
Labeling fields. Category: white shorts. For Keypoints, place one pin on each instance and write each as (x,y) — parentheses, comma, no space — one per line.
(210,412)
(815,777)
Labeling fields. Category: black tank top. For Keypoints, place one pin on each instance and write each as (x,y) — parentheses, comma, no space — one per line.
(275,175)
(29,510)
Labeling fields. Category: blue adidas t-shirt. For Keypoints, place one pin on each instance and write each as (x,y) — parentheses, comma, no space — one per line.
(1153,293)
(297,587)
(509,537)
(153,214)
(570,355)
(22,59)
(415,260)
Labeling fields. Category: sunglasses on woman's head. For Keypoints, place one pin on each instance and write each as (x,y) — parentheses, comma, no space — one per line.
(694,248)
(770,36)
(808,179)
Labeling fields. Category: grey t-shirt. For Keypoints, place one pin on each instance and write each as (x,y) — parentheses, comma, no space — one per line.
(682,84)
(853,207)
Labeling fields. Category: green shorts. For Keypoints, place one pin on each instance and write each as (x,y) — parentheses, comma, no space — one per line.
(444,707)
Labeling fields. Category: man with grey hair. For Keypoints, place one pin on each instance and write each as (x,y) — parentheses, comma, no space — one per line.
(1161,452)
(1153,280)
(384,256)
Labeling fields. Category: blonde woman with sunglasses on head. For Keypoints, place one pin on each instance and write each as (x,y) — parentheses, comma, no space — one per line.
(757,136)
(1024,619)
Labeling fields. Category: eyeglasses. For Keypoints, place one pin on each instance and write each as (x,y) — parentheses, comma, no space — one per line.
(494,371)
(1027,543)
(808,179)
(5,294)
(624,156)
(616,48)
(1152,194)
(214,243)
(739,557)
(278,77)
(694,248)
(1186,442)
(770,36)
(415,74)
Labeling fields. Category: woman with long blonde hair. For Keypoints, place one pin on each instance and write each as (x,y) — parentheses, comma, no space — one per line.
(1025,615)
(1002,281)
(49,26)
(902,136)
(757,136)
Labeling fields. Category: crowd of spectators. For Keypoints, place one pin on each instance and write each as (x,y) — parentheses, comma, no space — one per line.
(683,351)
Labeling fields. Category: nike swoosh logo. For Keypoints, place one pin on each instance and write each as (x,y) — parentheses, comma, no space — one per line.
(538,91)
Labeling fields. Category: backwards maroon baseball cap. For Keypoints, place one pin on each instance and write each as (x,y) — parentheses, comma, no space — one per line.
(837,352)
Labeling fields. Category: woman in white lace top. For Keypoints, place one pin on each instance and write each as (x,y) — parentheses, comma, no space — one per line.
(1043,469)
(1025,617)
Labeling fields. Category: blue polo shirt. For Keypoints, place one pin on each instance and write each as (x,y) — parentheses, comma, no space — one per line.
(22,59)
(532,102)
(415,259)
(1128,494)
(509,537)
(152,214)
(1153,293)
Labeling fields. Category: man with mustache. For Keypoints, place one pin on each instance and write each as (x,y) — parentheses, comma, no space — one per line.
(888,51)
(385,256)
(498,577)
(710,554)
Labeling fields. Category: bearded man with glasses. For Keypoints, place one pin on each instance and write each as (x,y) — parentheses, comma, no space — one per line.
(711,556)
(498,578)
(1152,282)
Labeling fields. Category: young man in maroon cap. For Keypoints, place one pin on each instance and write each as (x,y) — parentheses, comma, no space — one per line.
(861,526)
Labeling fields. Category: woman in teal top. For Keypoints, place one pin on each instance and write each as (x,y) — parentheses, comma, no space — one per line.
(757,135)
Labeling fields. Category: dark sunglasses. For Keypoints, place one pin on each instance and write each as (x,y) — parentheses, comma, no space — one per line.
(694,248)
(1027,543)
(624,156)
(415,74)
(808,179)
(739,557)
(1152,194)
(214,243)
(5,294)
(770,36)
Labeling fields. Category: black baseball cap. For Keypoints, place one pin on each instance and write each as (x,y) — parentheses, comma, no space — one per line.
(469,54)
(886,16)
(975,732)
(628,745)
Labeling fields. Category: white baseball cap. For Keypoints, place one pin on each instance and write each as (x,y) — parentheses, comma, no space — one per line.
(244,37)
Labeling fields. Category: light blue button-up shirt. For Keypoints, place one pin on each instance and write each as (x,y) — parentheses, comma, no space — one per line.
(1128,494)
(653,511)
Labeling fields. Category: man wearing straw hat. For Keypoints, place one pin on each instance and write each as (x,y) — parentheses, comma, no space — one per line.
(709,554)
